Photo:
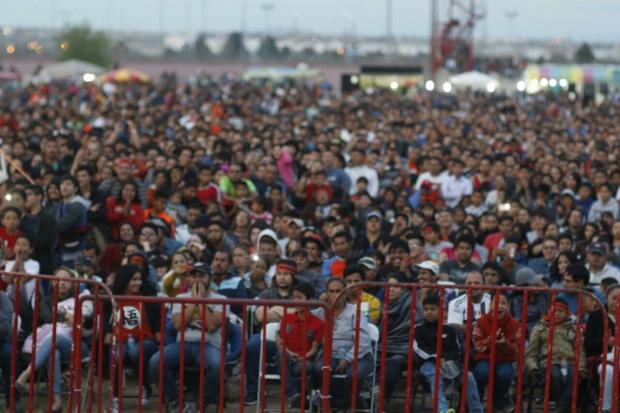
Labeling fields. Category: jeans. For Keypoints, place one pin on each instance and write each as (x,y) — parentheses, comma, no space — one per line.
(341,392)
(6,351)
(63,353)
(192,358)
(561,387)
(427,370)
(131,356)
(394,366)
(252,361)
(609,384)
(293,371)
(503,375)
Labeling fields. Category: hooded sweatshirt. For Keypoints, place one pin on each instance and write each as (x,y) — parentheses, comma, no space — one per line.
(562,348)
(483,332)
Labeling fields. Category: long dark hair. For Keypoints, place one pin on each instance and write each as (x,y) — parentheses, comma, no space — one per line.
(124,274)
(136,197)
(554,271)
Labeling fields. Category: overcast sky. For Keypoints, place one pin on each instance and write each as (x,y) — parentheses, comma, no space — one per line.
(576,19)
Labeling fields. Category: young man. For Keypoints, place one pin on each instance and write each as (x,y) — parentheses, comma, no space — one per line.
(425,347)
(604,203)
(71,218)
(370,305)
(299,338)
(456,270)
(341,245)
(191,323)
(41,225)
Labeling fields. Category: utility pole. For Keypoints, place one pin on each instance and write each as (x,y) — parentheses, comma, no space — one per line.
(389,27)
(267,8)
(433,39)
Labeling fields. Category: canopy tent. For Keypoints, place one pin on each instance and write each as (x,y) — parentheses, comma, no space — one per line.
(125,75)
(301,72)
(473,80)
(69,70)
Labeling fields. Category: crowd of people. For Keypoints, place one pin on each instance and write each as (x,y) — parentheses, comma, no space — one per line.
(224,189)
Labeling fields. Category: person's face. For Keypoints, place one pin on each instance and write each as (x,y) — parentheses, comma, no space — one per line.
(314,253)
(491,277)
(426,277)
(333,290)
(149,235)
(131,249)
(128,193)
(32,199)
(299,296)
(214,233)
(431,313)
(597,260)
(267,252)
(240,258)
(83,178)
(505,226)
(67,189)
(502,306)
(123,171)
(126,233)
(340,246)
(397,256)
(563,262)
(613,300)
(284,280)
(373,225)
(570,283)
(565,245)
(133,288)
(353,279)
(474,279)
(430,236)
(234,173)
(604,194)
(550,249)
(179,263)
(394,292)
(301,261)
(22,246)
(17,201)
(560,314)
(220,263)
(259,268)
(463,251)
(64,286)
(10,220)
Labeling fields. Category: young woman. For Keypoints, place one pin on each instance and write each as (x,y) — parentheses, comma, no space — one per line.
(174,282)
(65,308)
(139,323)
(125,207)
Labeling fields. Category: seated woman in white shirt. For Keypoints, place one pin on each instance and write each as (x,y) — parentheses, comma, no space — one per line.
(22,261)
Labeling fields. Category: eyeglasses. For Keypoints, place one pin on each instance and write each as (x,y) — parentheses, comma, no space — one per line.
(148,234)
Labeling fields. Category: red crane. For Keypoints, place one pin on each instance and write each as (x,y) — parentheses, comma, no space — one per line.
(452,38)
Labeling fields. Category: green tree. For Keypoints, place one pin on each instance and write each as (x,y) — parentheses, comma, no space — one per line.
(80,42)
(268,48)
(234,46)
(201,49)
(584,54)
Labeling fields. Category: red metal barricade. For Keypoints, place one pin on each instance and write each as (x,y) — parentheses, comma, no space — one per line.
(581,383)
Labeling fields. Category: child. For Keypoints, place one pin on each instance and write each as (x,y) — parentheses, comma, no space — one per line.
(22,261)
(425,348)
(506,351)
(562,353)
(299,349)
(9,231)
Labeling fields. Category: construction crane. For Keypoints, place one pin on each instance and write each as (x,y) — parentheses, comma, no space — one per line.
(452,37)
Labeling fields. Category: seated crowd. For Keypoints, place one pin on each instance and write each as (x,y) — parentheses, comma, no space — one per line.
(227,191)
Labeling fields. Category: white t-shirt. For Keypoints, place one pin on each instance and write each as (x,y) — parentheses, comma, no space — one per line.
(457,309)
(436,180)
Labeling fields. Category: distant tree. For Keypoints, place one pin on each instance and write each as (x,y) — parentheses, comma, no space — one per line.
(308,52)
(201,49)
(584,54)
(82,43)
(234,46)
(268,48)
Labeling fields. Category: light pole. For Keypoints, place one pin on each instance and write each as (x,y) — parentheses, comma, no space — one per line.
(267,8)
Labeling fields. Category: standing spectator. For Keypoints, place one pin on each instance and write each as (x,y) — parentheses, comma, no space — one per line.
(455,186)
(71,217)
(358,169)
(506,350)
(124,208)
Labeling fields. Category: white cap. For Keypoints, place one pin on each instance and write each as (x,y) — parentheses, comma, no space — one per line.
(429,265)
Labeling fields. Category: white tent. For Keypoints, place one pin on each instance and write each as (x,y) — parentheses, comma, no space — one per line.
(474,80)
(69,70)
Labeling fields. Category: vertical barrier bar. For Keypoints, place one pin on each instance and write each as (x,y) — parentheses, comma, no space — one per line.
(100,365)
(141,356)
(244,339)
(438,339)
(467,351)
(522,337)
(603,359)
(327,361)
(575,378)
(263,366)
(548,365)
(75,338)
(616,367)
(52,360)
(412,316)
(283,360)
(117,318)
(384,334)
(97,327)
(160,379)
(120,361)
(356,351)
(201,387)
(182,359)
(76,358)
(304,360)
(33,353)
(223,343)
(14,338)
(492,351)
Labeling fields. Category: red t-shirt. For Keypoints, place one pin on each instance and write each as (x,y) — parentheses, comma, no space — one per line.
(292,332)
(133,321)
(210,193)
(9,239)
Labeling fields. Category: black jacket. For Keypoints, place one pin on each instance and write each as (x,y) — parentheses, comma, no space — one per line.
(425,346)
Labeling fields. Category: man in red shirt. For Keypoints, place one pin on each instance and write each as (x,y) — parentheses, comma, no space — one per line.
(299,338)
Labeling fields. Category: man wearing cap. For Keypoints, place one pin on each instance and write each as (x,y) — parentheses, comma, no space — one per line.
(367,241)
(192,321)
(268,250)
(281,289)
(598,265)
(538,302)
